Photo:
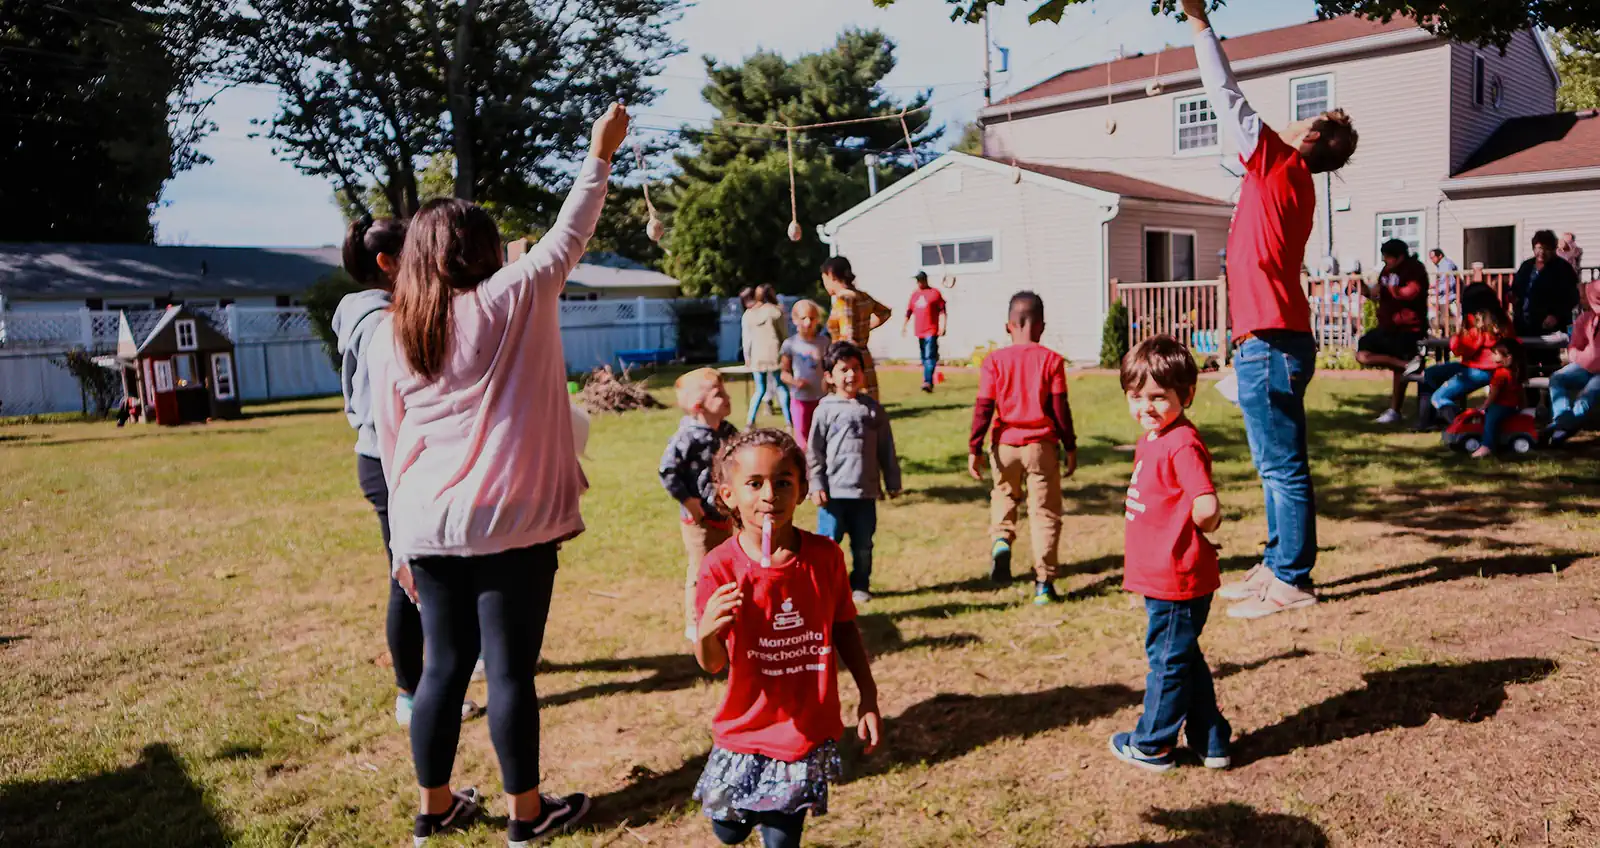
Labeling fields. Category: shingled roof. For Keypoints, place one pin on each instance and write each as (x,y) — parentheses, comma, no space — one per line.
(1559,142)
(34,270)
(1121,184)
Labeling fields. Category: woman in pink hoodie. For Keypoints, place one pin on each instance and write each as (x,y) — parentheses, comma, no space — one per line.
(1575,389)
(469,401)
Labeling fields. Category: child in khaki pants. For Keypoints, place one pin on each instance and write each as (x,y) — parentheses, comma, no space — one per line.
(1023,390)
(686,473)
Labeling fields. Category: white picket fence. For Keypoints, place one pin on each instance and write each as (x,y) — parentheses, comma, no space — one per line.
(278,354)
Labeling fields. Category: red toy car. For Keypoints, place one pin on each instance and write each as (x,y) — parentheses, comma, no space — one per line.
(1520,432)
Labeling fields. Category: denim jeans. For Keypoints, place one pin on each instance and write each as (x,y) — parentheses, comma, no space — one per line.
(1574,393)
(1495,418)
(930,358)
(857,517)
(1273,370)
(1179,693)
(1451,382)
(762,378)
(778,830)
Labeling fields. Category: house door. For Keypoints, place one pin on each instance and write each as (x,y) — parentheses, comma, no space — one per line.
(1495,247)
(194,399)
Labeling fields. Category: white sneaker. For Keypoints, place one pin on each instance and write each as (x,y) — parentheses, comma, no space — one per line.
(1415,366)
(477,671)
(860,596)
(1389,416)
(402,710)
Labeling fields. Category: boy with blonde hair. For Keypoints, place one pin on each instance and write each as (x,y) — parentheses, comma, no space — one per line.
(686,473)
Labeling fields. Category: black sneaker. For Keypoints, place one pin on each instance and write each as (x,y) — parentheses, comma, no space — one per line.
(1000,562)
(465,806)
(556,815)
(1044,594)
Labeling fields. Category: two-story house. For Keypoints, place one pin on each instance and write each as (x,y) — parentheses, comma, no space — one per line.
(1125,174)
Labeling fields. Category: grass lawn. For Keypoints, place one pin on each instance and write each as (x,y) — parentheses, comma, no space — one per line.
(192,652)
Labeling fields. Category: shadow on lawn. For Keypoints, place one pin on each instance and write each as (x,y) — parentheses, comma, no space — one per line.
(1444,569)
(1403,697)
(188,431)
(152,802)
(1233,825)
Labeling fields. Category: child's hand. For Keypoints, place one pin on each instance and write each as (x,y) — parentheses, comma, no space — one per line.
(869,727)
(721,610)
(975,466)
(819,497)
(401,572)
(609,132)
(1070,462)
(696,509)
(894,493)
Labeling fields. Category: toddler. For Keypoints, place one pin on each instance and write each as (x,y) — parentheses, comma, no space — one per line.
(801,360)
(1505,394)
(686,473)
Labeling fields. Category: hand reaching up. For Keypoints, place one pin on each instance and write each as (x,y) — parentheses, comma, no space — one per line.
(609,132)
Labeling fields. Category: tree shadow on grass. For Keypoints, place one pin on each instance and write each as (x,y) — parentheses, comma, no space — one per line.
(152,802)
(1403,697)
(901,412)
(1444,569)
(1231,825)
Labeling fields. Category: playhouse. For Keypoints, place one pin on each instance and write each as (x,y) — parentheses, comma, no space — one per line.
(178,366)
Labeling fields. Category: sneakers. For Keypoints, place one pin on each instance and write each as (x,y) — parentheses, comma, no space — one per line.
(927,388)
(1414,367)
(1389,416)
(404,706)
(1122,748)
(556,815)
(477,671)
(1276,597)
(1000,563)
(465,807)
(1217,763)
(1044,593)
(1250,587)
(860,596)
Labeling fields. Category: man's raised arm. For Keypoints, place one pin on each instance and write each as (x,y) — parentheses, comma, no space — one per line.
(1232,110)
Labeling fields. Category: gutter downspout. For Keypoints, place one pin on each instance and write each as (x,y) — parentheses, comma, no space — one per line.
(827,238)
(1108,214)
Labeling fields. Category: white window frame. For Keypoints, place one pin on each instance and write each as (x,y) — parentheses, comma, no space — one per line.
(177,373)
(1422,229)
(163,372)
(952,263)
(222,376)
(1294,94)
(1178,126)
(1144,253)
(194,334)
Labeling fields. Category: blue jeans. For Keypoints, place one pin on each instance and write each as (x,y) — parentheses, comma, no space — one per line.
(778,830)
(1451,382)
(1179,693)
(1574,393)
(930,358)
(857,517)
(762,378)
(1494,418)
(1273,371)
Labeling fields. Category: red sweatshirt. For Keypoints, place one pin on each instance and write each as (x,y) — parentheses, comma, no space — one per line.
(1472,347)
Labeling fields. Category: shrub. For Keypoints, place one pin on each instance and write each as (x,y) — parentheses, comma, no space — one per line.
(1114,337)
(321,300)
(101,387)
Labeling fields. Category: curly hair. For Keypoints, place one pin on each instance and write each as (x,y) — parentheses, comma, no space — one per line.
(763,438)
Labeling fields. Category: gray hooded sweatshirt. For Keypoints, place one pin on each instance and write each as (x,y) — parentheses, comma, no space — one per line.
(359,313)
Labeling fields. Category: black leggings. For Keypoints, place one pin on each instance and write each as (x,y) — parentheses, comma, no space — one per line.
(778,830)
(404,625)
(499,602)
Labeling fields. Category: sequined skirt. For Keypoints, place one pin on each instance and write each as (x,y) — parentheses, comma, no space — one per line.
(735,784)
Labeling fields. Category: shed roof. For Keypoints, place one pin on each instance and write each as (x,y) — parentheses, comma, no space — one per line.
(40,270)
(1559,142)
(1119,184)
(591,276)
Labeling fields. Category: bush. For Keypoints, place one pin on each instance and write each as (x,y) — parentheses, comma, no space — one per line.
(321,300)
(1337,359)
(1114,337)
(101,387)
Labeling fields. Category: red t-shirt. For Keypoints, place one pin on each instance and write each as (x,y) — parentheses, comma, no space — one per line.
(1403,297)
(1504,390)
(1168,558)
(1267,242)
(925,308)
(1020,380)
(783,688)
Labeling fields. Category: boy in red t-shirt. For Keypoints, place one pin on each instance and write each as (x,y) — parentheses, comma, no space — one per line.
(927,310)
(1023,388)
(1171,505)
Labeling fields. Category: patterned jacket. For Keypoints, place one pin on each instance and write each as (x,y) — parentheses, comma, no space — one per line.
(686,465)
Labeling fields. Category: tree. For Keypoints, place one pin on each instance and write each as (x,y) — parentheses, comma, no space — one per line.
(971,140)
(98,110)
(372,88)
(1578,60)
(1474,21)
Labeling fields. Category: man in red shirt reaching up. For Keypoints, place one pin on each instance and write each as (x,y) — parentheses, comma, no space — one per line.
(927,307)
(1271,317)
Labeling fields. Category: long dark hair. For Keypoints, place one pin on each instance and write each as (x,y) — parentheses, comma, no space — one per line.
(364,240)
(451,247)
(765,293)
(838,268)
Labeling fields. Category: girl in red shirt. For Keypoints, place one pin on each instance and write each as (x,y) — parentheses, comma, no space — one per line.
(1451,382)
(776,611)
(1505,394)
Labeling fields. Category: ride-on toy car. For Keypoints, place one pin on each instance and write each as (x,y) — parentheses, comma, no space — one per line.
(1519,433)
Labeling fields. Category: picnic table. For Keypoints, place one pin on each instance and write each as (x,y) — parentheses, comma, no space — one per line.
(736,372)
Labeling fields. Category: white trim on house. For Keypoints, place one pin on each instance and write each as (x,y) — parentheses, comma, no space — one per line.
(954,263)
(1172,263)
(830,228)
(1244,68)
(1531,178)
(193,340)
(1178,126)
(1214,210)
(163,375)
(1420,248)
(222,375)
(1294,94)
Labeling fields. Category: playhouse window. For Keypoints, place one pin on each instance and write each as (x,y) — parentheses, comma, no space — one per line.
(187,339)
(163,369)
(222,375)
(184,364)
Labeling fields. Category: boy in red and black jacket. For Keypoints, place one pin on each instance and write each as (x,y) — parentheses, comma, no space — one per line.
(1023,390)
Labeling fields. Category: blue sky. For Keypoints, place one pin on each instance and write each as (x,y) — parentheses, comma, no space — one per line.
(247,196)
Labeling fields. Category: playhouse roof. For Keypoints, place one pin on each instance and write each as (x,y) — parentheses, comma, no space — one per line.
(147,333)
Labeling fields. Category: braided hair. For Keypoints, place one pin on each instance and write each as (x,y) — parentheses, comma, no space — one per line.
(763,438)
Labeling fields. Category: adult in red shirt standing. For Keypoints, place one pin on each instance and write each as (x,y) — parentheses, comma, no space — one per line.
(1271,317)
(1402,295)
(927,311)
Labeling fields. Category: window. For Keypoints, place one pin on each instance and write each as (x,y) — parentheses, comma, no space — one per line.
(222,375)
(1405,226)
(163,375)
(977,251)
(1168,256)
(1197,124)
(1311,96)
(1480,73)
(184,364)
(187,339)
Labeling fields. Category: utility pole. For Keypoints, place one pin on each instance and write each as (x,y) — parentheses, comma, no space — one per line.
(988,89)
(871,161)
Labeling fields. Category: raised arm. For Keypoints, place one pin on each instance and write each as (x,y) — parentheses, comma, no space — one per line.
(1227,100)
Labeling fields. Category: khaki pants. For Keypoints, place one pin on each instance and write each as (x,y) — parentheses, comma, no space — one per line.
(698,540)
(1039,466)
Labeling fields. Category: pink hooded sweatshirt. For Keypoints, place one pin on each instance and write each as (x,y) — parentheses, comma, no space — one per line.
(1585,349)
(482,459)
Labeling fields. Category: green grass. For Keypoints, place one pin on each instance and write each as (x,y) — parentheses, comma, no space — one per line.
(192,653)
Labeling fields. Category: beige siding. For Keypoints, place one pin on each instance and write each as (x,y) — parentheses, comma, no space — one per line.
(1127,240)
(1045,240)
(1529,90)
(1577,212)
